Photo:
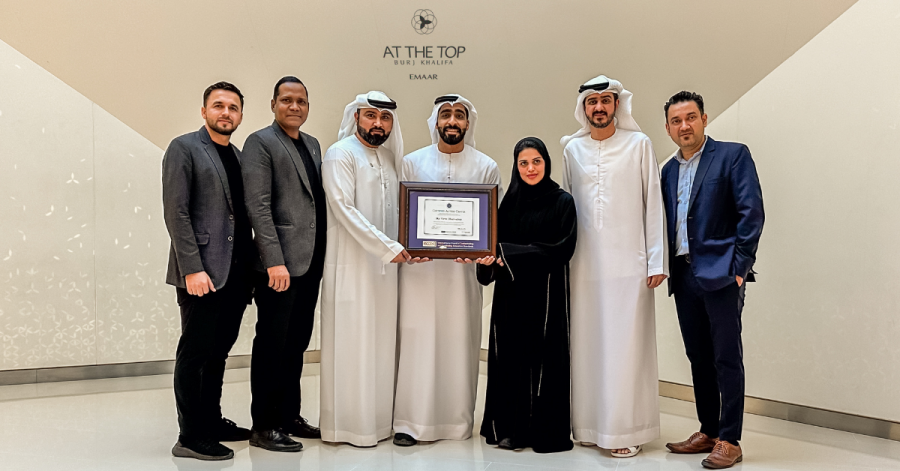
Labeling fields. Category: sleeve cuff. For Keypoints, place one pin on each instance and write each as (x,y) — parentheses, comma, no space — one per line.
(656,271)
(273,261)
(394,248)
(194,265)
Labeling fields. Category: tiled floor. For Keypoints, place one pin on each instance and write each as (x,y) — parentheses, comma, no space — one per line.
(129,424)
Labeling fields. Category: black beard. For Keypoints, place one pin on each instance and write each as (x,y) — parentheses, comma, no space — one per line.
(452,140)
(215,127)
(374,140)
(601,125)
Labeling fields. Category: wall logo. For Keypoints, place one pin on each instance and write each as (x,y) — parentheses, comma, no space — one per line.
(421,55)
(424,21)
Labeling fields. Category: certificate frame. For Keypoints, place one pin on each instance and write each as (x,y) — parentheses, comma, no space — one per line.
(479,245)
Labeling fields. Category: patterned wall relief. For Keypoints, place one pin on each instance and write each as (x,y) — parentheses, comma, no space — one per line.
(83,245)
(137,317)
(46,219)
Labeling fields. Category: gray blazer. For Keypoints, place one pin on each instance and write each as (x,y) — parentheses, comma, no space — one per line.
(197,209)
(280,199)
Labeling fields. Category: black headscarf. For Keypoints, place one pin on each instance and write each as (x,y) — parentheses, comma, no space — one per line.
(520,192)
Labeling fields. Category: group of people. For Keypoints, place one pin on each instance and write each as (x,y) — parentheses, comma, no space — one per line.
(572,350)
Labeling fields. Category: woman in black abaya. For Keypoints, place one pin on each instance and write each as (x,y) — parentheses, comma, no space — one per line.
(527,402)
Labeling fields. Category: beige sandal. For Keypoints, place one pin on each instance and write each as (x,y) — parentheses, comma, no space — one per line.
(632,451)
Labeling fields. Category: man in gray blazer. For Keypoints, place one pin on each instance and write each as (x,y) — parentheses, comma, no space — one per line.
(209,264)
(286,204)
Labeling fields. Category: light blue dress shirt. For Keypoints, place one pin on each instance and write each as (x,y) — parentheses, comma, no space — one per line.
(687,169)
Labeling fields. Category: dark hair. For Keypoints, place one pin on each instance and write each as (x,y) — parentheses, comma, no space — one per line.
(222,86)
(683,96)
(287,79)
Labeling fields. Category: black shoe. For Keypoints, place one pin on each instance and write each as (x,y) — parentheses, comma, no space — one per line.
(510,444)
(300,427)
(274,440)
(402,439)
(227,431)
(205,449)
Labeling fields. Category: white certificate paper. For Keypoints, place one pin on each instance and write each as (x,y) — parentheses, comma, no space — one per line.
(448,218)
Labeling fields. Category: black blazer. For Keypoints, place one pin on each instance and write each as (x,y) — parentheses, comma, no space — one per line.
(197,209)
(725,215)
(279,198)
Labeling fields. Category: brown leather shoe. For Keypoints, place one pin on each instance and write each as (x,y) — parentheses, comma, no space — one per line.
(698,443)
(724,455)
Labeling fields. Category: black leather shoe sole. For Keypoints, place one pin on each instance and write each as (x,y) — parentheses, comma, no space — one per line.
(273,447)
(182,451)
(404,440)
(235,436)
(304,433)
(508,444)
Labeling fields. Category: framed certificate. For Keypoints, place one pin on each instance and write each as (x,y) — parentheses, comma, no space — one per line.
(448,220)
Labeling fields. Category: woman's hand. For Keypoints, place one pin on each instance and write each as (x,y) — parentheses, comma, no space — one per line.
(489,260)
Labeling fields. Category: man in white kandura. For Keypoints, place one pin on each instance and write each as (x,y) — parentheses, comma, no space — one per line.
(440,301)
(359,293)
(610,169)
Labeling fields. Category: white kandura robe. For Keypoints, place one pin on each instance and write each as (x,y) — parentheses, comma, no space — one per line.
(621,241)
(359,294)
(440,318)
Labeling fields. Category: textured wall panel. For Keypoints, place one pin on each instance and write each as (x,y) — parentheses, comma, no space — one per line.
(137,317)
(47,214)
(81,212)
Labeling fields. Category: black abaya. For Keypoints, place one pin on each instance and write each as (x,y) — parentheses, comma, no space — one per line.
(528,359)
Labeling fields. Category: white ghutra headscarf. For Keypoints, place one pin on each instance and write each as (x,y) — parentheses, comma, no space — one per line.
(381,102)
(600,84)
(453,99)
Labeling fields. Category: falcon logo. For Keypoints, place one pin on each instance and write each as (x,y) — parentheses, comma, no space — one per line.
(424,21)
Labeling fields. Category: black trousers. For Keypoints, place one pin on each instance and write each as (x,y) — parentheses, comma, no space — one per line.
(209,328)
(711,327)
(283,329)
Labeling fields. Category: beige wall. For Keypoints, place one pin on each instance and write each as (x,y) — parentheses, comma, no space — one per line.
(821,325)
(148,62)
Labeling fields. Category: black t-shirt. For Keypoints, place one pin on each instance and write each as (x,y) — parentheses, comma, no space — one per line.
(318,198)
(243,237)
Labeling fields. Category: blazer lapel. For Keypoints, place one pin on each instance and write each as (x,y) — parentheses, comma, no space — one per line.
(237,154)
(672,188)
(317,159)
(709,153)
(295,156)
(213,155)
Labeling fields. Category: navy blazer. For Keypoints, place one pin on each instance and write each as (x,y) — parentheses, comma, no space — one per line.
(725,215)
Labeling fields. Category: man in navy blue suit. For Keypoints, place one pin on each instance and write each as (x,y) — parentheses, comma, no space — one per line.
(714,213)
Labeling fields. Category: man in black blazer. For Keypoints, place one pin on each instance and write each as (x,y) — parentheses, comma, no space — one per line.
(714,216)
(209,258)
(286,204)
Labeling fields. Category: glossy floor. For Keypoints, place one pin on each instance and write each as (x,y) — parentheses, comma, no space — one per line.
(129,423)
